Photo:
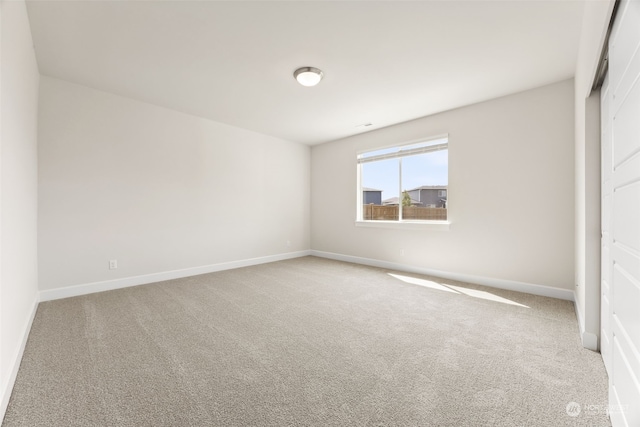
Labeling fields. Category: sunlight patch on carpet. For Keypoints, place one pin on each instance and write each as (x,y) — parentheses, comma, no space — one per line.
(475,293)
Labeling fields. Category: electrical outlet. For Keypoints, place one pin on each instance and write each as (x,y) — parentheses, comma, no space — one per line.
(113,264)
(288,243)
(401,252)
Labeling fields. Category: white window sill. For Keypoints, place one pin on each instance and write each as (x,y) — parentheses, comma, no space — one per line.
(407,225)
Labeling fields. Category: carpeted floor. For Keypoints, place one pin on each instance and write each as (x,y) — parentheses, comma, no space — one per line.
(309,342)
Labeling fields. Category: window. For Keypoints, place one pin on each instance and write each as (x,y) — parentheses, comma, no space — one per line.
(411,178)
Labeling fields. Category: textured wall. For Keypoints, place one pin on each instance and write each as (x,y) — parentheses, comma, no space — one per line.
(18,194)
(158,190)
(520,146)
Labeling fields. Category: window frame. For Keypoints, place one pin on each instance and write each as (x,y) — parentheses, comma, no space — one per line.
(399,223)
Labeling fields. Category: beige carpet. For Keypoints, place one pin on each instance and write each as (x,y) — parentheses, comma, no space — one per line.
(308,342)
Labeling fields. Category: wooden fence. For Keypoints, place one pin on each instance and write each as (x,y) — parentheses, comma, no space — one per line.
(390,213)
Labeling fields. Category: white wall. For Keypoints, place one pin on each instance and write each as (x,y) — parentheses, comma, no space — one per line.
(511,172)
(18,192)
(587,171)
(158,190)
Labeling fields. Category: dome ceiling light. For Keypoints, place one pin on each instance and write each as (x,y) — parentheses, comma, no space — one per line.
(308,76)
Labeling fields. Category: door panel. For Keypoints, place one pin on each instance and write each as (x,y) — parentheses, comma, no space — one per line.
(626,218)
(625,393)
(626,126)
(626,304)
(624,41)
(605,215)
(620,306)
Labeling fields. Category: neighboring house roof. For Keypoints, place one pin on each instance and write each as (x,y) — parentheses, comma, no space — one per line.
(370,189)
(394,201)
(430,187)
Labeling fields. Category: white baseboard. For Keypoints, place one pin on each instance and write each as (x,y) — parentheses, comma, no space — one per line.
(108,285)
(7,387)
(529,288)
(588,339)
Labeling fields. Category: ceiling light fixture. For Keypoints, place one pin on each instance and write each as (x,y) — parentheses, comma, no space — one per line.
(308,76)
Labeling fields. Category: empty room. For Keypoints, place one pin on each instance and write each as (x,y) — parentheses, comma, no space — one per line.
(320,213)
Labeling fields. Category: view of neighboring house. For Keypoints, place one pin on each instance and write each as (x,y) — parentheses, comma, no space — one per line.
(393,201)
(428,196)
(372,196)
(431,196)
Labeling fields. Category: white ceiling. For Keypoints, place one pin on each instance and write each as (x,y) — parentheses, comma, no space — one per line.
(233,61)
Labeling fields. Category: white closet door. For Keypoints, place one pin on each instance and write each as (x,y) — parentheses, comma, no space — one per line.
(621,325)
(606,195)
